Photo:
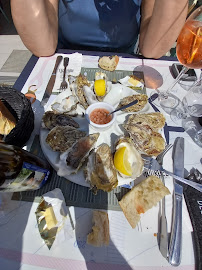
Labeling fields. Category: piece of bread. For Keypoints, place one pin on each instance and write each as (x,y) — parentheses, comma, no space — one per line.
(155,120)
(100,230)
(108,62)
(7,120)
(141,198)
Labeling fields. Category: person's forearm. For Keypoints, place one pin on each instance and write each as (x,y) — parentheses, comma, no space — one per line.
(36,22)
(161,23)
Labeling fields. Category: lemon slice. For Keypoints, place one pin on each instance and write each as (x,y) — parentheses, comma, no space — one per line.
(100,87)
(121,162)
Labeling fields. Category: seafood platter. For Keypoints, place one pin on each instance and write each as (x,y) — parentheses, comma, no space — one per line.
(80,150)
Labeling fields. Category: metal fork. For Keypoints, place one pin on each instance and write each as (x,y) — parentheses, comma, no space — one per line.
(163,243)
(64,84)
(152,164)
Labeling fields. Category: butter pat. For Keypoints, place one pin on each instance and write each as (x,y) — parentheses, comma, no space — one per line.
(50,218)
(135,81)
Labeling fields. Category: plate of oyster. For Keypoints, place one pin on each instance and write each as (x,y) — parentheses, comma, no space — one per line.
(104,159)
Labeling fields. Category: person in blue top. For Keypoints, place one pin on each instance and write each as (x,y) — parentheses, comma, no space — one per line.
(107,25)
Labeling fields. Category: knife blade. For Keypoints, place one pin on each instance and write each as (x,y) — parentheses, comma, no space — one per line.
(176,228)
(49,87)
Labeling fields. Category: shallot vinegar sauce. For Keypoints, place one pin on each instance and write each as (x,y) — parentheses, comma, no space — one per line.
(100,116)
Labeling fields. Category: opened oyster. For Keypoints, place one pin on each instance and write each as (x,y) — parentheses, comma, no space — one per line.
(127,155)
(68,104)
(51,120)
(100,171)
(71,160)
(61,138)
(100,76)
(77,89)
(89,95)
(142,101)
(155,120)
(146,140)
(101,85)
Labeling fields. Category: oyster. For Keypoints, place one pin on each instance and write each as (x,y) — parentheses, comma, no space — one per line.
(61,138)
(100,171)
(155,120)
(101,85)
(71,160)
(142,101)
(89,95)
(134,158)
(68,104)
(146,140)
(77,87)
(51,120)
(100,76)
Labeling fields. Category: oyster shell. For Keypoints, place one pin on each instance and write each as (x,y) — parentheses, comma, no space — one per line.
(61,138)
(108,85)
(51,120)
(89,95)
(135,158)
(71,160)
(77,87)
(142,101)
(68,104)
(146,140)
(155,120)
(100,76)
(100,171)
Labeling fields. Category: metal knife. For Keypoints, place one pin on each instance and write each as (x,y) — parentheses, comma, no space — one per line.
(125,106)
(176,229)
(49,87)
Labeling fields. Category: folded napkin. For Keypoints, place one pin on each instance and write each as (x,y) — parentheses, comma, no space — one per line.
(42,71)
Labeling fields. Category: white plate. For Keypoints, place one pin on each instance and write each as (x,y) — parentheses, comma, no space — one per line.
(108,136)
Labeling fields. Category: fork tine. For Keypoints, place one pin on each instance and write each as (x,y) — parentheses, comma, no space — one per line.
(159,158)
(146,161)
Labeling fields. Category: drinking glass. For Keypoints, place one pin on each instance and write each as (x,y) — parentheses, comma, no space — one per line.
(191,106)
(189,54)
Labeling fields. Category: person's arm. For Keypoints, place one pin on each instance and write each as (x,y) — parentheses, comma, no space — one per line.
(161,22)
(36,22)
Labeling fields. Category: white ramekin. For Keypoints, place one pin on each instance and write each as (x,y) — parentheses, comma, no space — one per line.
(101,105)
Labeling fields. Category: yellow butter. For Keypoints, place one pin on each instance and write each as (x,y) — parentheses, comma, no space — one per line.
(133,81)
(50,218)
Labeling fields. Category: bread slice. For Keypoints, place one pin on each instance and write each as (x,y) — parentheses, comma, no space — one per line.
(7,120)
(108,62)
(100,230)
(141,198)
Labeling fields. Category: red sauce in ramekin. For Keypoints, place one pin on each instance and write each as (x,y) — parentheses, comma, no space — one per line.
(100,116)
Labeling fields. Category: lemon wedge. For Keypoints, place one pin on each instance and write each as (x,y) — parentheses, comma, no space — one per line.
(121,162)
(100,87)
